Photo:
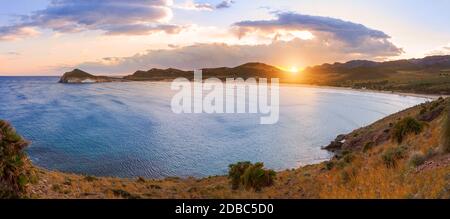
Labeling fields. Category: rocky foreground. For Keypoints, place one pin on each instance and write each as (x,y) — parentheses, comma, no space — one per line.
(405,155)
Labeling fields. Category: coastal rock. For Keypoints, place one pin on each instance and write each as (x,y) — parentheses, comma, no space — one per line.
(432,114)
(78,76)
(336,144)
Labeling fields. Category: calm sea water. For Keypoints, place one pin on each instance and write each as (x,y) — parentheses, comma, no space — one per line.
(129,130)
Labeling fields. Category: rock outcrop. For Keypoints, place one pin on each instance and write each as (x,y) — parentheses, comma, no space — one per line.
(78,76)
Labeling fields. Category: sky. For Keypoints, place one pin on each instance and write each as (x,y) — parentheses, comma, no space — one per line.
(49,37)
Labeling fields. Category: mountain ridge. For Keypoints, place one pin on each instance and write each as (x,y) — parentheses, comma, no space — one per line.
(429,75)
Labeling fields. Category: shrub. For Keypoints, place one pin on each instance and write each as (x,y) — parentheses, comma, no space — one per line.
(235,171)
(329,165)
(251,176)
(423,111)
(406,126)
(345,158)
(391,155)
(348,158)
(416,159)
(345,176)
(141,180)
(435,104)
(256,177)
(90,178)
(154,186)
(369,145)
(15,171)
(445,136)
(430,153)
(124,194)
(56,188)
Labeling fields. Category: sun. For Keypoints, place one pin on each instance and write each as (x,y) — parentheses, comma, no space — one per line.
(294,69)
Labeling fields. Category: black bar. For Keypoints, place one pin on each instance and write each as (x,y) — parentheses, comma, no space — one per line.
(147,208)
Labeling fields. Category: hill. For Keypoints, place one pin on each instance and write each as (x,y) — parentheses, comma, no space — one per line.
(257,70)
(78,76)
(429,75)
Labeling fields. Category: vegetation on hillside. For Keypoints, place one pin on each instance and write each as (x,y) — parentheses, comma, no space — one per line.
(429,75)
(251,176)
(15,171)
(406,126)
(445,141)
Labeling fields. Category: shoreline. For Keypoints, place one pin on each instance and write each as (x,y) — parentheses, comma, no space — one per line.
(427,96)
(400,93)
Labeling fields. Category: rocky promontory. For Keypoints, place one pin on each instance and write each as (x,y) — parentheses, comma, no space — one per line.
(256,70)
(78,76)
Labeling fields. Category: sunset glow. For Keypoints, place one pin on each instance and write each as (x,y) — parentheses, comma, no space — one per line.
(294,69)
(43,39)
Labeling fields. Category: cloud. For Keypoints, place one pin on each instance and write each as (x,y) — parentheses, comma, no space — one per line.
(444,50)
(289,40)
(225,4)
(195,6)
(9,33)
(191,5)
(13,53)
(325,28)
(109,16)
(280,53)
(139,29)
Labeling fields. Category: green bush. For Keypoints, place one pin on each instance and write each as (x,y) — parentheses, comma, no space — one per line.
(423,110)
(90,178)
(347,174)
(329,165)
(391,155)
(369,145)
(406,126)
(348,158)
(416,159)
(251,176)
(235,171)
(445,141)
(15,171)
(256,177)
